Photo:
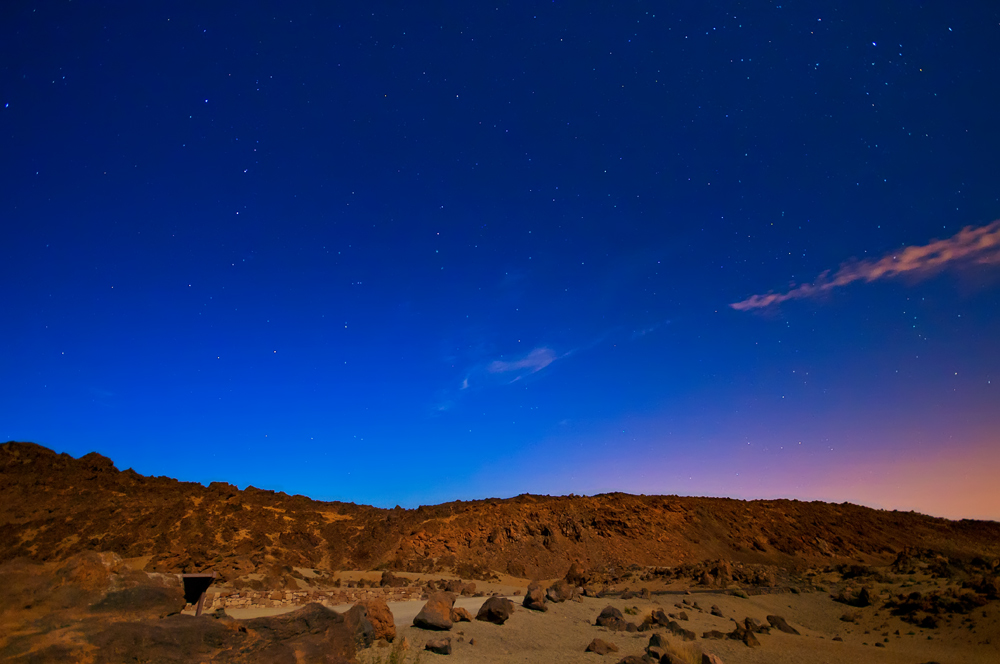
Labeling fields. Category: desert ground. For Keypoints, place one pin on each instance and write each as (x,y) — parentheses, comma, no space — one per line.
(562,633)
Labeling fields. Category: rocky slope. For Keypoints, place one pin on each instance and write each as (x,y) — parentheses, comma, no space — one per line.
(55,506)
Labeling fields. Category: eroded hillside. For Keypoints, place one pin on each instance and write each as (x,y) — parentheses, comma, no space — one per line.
(55,506)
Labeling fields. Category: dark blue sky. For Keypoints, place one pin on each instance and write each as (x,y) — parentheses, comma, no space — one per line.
(388,253)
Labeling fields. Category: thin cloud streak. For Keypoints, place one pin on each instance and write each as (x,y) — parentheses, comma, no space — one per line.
(969,246)
(534,361)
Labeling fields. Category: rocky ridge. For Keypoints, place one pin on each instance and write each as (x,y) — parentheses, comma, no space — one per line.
(56,506)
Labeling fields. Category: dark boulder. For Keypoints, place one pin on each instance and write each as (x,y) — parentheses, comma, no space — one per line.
(439,646)
(496,610)
(560,591)
(780,624)
(356,619)
(601,647)
(534,599)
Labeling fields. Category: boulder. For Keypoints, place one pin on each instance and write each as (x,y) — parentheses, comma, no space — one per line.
(713,634)
(381,619)
(560,591)
(496,610)
(637,659)
(710,659)
(685,634)
(436,613)
(576,576)
(458,614)
(611,618)
(142,601)
(741,633)
(356,620)
(390,580)
(535,598)
(658,646)
(601,647)
(716,611)
(779,623)
(658,617)
(439,646)
(682,616)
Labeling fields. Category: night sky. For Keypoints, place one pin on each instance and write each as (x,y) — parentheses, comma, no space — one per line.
(403,253)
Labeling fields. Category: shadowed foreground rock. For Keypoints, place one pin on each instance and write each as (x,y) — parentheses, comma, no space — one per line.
(92,608)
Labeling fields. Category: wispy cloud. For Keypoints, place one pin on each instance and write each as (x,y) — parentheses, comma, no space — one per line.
(504,371)
(534,361)
(969,246)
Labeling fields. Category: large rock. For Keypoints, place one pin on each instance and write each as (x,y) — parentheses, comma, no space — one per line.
(381,619)
(142,601)
(496,610)
(658,617)
(779,623)
(439,646)
(611,618)
(356,619)
(391,580)
(637,659)
(685,634)
(534,599)
(707,658)
(436,613)
(658,646)
(560,591)
(576,576)
(601,647)
(741,633)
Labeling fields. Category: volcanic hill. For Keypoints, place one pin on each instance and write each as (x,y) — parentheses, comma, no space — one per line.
(55,506)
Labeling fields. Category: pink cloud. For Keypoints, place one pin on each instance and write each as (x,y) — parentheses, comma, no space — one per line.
(970,246)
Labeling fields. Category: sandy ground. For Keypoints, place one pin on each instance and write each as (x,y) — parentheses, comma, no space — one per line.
(562,633)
